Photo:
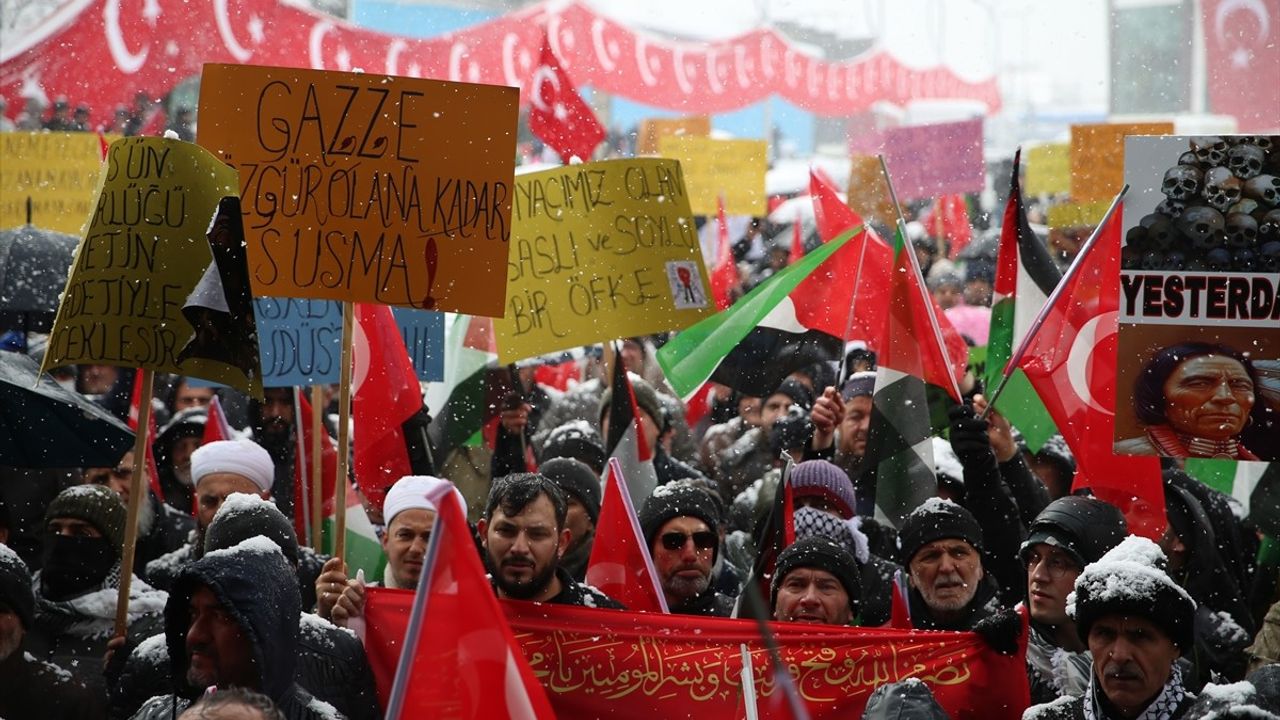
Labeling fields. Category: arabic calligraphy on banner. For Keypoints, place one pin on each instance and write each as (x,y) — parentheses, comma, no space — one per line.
(604,663)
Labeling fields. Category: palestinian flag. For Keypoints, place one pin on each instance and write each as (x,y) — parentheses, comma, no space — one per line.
(785,323)
(899,456)
(1025,277)
(1239,480)
(458,403)
(363,549)
(624,437)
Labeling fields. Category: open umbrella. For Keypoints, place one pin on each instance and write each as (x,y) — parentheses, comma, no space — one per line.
(33,272)
(43,424)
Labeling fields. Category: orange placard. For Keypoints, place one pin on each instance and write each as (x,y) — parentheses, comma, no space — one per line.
(868,194)
(1097,157)
(366,187)
(652,130)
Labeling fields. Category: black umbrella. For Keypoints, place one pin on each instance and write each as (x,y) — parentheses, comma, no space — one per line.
(43,424)
(33,272)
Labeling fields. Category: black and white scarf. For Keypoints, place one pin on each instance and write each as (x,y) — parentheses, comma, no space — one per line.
(1162,708)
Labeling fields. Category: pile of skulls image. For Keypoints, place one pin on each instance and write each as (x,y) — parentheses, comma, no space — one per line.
(1220,213)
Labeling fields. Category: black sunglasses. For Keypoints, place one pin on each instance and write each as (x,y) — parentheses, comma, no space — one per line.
(702,540)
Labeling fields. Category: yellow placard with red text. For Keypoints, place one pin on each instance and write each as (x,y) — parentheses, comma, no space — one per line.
(368,187)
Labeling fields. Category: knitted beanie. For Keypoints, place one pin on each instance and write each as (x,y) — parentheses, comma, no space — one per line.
(15,586)
(97,505)
(576,479)
(936,519)
(821,553)
(824,479)
(578,440)
(243,516)
(674,500)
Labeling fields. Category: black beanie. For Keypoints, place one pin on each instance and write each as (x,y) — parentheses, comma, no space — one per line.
(243,516)
(936,519)
(576,479)
(794,389)
(578,440)
(97,505)
(1084,527)
(674,500)
(15,586)
(822,553)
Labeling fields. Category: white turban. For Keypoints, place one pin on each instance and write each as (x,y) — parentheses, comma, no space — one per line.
(241,457)
(416,492)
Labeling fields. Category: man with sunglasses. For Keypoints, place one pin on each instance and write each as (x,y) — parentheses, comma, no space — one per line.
(1070,533)
(681,525)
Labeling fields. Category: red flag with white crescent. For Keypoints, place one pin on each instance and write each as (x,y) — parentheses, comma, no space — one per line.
(558,114)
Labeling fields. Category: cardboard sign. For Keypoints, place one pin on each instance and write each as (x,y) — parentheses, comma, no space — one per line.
(368,187)
(600,251)
(145,250)
(932,160)
(1199,324)
(300,341)
(1097,157)
(57,171)
(653,129)
(868,194)
(1077,215)
(1048,169)
(733,168)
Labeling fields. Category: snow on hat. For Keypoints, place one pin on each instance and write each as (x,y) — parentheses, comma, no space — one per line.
(1130,580)
(821,553)
(812,522)
(245,458)
(97,505)
(824,479)
(858,385)
(576,479)
(937,519)
(794,389)
(673,500)
(416,492)
(15,586)
(243,516)
(578,440)
(1084,527)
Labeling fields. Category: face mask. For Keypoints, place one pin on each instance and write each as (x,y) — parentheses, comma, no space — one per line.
(73,565)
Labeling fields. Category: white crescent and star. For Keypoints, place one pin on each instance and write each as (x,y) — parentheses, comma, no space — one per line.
(543,74)
(1240,56)
(677,59)
(223,21)
(128,61)
(740,65)
(315,41)
(509,59)
(396,47)
(1082,350)
(642,63)
(713,74)
(602,51)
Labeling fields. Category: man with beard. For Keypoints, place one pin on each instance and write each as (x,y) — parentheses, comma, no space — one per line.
(218,469)
(273,424)
(31,687)
(523,532)
(161,529)
(681,526)
(581,487)
(77,587)
(1137,623)
(816,581)
(173,447)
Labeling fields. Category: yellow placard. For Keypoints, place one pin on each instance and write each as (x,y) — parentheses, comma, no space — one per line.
(1078,215)
(868,194)
(143,254)
(600,251)
(1048,169)
(1097,157)
(733,168)
(652,129)
(57,171)
(367,187)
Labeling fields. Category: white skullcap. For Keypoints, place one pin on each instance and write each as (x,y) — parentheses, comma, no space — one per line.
(241,457)
(416,492)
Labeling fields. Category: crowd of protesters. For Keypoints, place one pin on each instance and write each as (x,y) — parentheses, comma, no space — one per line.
(146,116)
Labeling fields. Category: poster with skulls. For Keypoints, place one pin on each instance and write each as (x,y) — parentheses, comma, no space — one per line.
(1199,325)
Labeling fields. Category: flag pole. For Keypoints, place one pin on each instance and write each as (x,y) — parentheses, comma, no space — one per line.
(344,433)
(410,646)
(915,267)
(1016,356)
(845,368)
(748,685)
(300,475)
(136,486)
(317,469)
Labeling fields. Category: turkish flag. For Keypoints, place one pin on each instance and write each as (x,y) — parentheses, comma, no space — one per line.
(386,393)
(303,474)
(1071,361)
(558,114)
(948,217)
(725,275)
(620,564)
(1242,56)
(216,426)
(464,661)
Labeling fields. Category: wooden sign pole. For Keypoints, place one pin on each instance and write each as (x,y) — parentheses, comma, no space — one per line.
(317,467)
(344,433)
(136,488)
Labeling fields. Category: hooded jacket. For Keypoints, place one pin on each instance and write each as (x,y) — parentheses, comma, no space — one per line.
(906,700)
(245,581)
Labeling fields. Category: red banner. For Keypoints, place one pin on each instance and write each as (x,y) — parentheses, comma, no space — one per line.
(153,45)
(620,665)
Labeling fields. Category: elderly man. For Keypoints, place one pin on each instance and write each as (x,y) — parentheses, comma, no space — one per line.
(1067,535)
(1194,399)
(816,581)
(841,420)
(681,526)
(161,529)
(524,535)
(410,515)
(230,622)
(1137,622)
(218,469)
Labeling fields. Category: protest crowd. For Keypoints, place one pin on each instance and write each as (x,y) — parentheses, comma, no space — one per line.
(850,465)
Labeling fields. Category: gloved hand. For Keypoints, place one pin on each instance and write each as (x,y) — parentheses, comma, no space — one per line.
(1001,631)
(969,436)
